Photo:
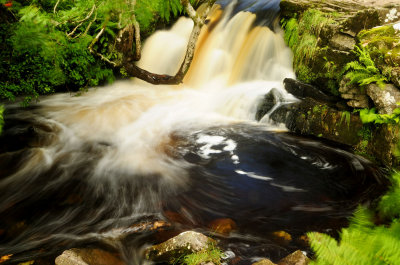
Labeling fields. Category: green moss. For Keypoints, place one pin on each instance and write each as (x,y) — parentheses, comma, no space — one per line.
(364,71)
(291,35)
(305,74)
(302,36)
(211,254)
(383,44)
(377,32)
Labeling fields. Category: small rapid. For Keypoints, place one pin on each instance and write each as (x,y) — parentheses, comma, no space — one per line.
(80,170)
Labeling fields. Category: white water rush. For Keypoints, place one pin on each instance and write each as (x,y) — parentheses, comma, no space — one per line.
(235,64)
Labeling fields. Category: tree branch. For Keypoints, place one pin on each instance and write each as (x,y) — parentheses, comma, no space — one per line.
(80,22)
(94,41)
(158,79)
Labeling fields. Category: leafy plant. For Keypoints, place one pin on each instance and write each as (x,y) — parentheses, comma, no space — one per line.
(302,36)
(345,116)
(364,71)
(46,49)
(389,205)
(370,116)
(363,242)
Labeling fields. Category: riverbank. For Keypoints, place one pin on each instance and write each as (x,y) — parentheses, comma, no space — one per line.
(348,50)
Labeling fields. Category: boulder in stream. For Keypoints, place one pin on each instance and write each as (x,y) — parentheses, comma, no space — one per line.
(270,100)
(296,258)
(86,256)
(175,248)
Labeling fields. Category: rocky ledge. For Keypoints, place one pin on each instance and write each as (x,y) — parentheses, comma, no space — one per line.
(349,52)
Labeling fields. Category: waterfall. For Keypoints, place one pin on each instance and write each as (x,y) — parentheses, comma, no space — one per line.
(75,168)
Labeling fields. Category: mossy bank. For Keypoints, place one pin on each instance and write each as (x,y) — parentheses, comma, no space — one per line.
(349,50)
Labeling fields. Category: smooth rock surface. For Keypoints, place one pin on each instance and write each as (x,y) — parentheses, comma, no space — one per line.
(385,99)
(343,42)
(77,256)
(264,262)
(183,244)
(296,258)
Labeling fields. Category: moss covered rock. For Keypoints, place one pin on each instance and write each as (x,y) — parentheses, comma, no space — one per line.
(349,49)
(175,248)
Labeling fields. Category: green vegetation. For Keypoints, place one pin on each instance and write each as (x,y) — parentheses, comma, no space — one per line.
(211,254)
(364,242)
(345,116)
(364,71)
(44,44)
(370,116)
(303,35)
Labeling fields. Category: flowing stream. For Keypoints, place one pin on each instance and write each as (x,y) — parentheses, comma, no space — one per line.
(83,170)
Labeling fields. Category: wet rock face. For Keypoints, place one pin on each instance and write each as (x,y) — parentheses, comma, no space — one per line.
(302,90)
(176,247)
(373,26)
(310,117)
(272,98)
(355,96)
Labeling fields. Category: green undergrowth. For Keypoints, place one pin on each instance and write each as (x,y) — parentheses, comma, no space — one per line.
(302,35)
(370,116)
(44,49)
(364,242)
(364,71)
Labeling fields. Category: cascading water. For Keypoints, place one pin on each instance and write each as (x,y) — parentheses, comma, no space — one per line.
(80,170)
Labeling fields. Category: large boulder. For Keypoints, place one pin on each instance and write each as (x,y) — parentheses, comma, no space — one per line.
(311,117)
(323,36)
(183,244)
(270,100)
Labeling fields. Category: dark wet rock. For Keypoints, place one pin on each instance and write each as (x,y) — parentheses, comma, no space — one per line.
(264,262)
(77,256)
(311,117)
(272,98)
(342,24)
(303,90)
(176,247)
(356,97)
(385,99)
(296,258)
